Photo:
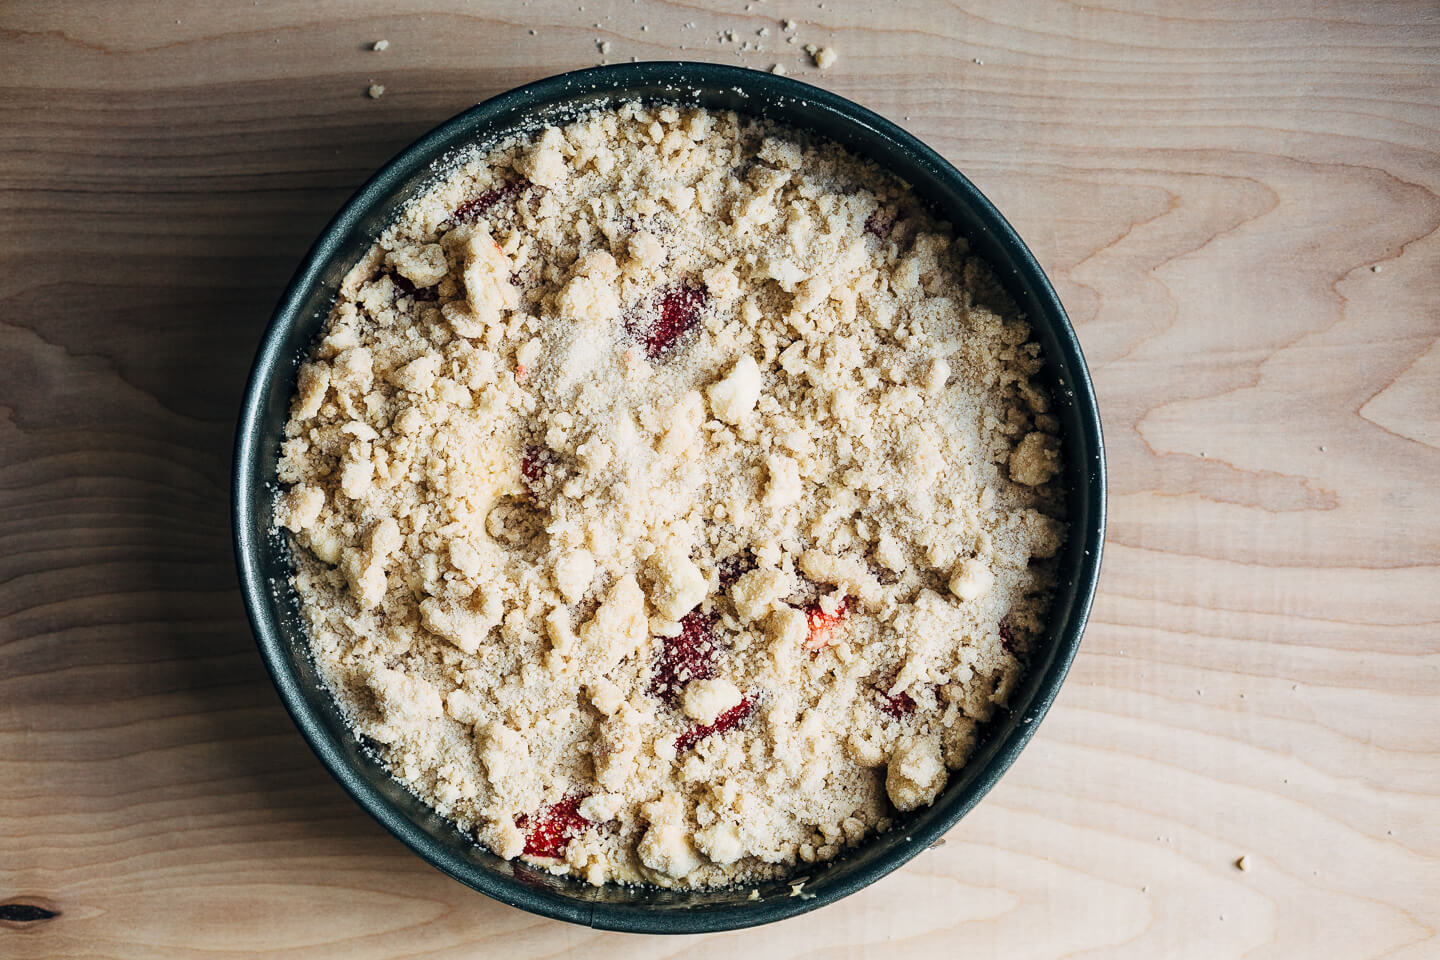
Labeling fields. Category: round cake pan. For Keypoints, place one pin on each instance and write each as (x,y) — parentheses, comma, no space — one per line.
(264,562)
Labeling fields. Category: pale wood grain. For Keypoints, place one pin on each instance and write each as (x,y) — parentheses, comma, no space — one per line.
(1209,185)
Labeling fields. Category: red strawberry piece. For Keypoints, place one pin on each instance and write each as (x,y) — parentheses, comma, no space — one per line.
(879,224)
(550,831)
(689,655)
(1008,638)
(822,625)
(675,313)
(408,289)
(734,567)
(899,705)
(535,468)
(728,720)
(476,207)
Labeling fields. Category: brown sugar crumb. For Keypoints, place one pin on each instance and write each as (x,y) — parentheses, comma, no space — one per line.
(673,499)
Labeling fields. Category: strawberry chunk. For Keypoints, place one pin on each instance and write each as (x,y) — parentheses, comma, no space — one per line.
(408,289)
(822,625)
(535,467)
(898,706)
(674,314)
(550,831)
(476,207)
(728,720)
(1008,638)
(879,224)
(689,655)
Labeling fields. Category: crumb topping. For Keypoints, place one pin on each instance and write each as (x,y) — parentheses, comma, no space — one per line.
(672,498)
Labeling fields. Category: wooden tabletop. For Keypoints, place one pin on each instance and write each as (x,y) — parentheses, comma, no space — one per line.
(1239,204)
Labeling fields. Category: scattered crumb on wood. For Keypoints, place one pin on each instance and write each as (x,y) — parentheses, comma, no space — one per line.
(380,45)
(376,91)
(824,57)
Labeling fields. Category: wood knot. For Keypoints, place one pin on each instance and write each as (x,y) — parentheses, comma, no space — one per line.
(21,913)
